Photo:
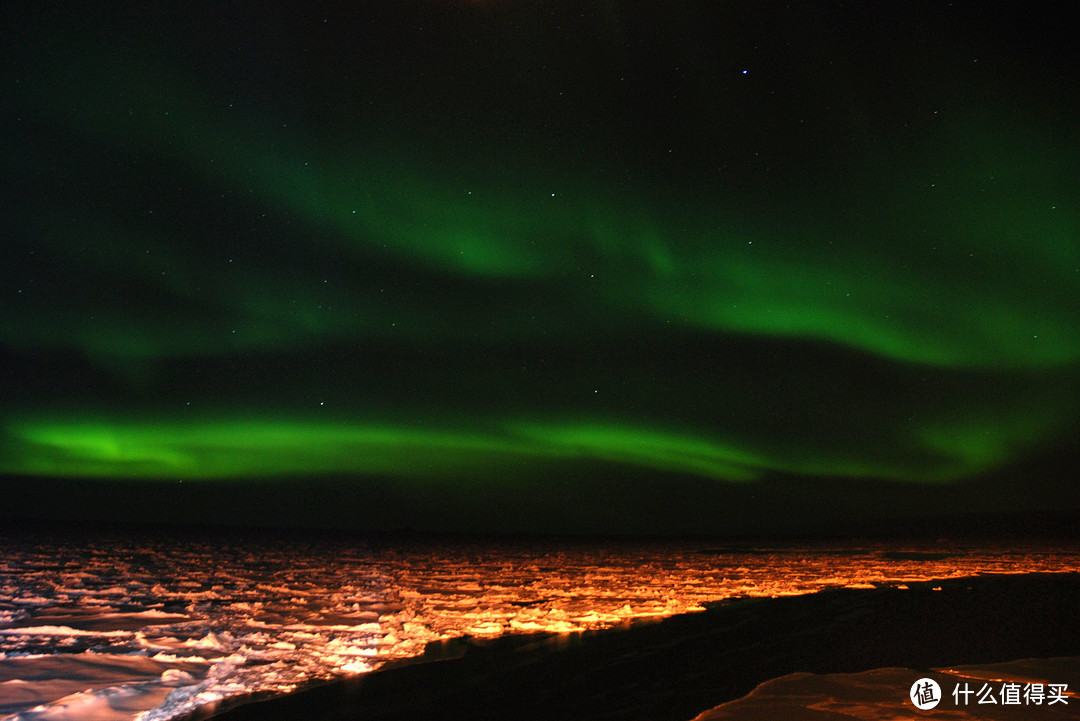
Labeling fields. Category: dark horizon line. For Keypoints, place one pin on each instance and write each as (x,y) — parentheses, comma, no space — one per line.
(998,527)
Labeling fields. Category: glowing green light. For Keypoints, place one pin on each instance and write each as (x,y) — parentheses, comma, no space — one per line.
(947,276)
(244,449)
(258,448)
(238,242)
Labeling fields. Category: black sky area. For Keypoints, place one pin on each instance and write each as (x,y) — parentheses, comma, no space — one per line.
(601,267)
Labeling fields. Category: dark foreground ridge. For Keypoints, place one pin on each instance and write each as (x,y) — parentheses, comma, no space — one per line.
(677,668)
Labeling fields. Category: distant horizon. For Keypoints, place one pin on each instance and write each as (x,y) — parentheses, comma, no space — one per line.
(1061,524)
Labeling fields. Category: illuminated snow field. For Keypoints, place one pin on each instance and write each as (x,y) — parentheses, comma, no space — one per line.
(116,628)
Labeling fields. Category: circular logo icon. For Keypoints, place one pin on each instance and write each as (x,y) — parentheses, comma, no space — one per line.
(925,694)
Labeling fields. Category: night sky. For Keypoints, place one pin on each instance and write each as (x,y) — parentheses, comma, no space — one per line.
(664,267)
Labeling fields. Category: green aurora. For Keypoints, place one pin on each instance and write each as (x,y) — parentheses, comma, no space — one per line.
(246,270)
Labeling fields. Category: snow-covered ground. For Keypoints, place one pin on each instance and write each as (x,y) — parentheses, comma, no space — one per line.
(964,693)
(107,627)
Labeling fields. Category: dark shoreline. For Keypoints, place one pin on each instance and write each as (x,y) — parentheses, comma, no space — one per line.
(679,667)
